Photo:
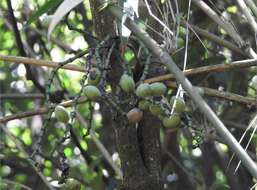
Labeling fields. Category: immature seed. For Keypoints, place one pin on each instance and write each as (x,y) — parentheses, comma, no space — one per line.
(158,89)
(171,121)
(127,83)
(92,92)
(143,90)
(178,103)
(61,114)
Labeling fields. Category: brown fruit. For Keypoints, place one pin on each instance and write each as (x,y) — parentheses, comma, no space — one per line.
(135,115)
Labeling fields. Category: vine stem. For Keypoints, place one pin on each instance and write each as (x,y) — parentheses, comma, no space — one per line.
(199,101)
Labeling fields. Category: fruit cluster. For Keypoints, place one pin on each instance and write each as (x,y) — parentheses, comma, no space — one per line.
(168,113)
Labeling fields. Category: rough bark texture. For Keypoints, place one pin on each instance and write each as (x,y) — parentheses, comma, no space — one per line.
(103,21)
(138,146)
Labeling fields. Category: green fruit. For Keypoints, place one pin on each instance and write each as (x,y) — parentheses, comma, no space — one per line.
(143,90)
(92,92)
(71,184)
(199,90)
(143,104)
(61,114)
(94,76)
(179,102)
(127,83)
(171,121)
(155,109)
(158,89)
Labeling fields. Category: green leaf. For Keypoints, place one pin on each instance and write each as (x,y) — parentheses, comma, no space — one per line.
(43,9)
(65,7)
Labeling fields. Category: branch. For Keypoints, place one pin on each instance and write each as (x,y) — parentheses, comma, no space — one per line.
(248,15)
(21,49)
(165,58)
(228,27)
(207,69)
(252,5)
(40,63)
(188,72)
(39,111)
(221,22)
(223,95)
(207,91)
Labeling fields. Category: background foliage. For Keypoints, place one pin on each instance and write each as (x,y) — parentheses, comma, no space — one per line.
(193,156)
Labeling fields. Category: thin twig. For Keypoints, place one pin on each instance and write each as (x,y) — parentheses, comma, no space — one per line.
(214,38)
(207,91)
(180,165)
(38,62)
(39,111)
(101,147)
(207,69)
(188,72)
(22,150)
(221,22)
(223,95)
(14,183)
